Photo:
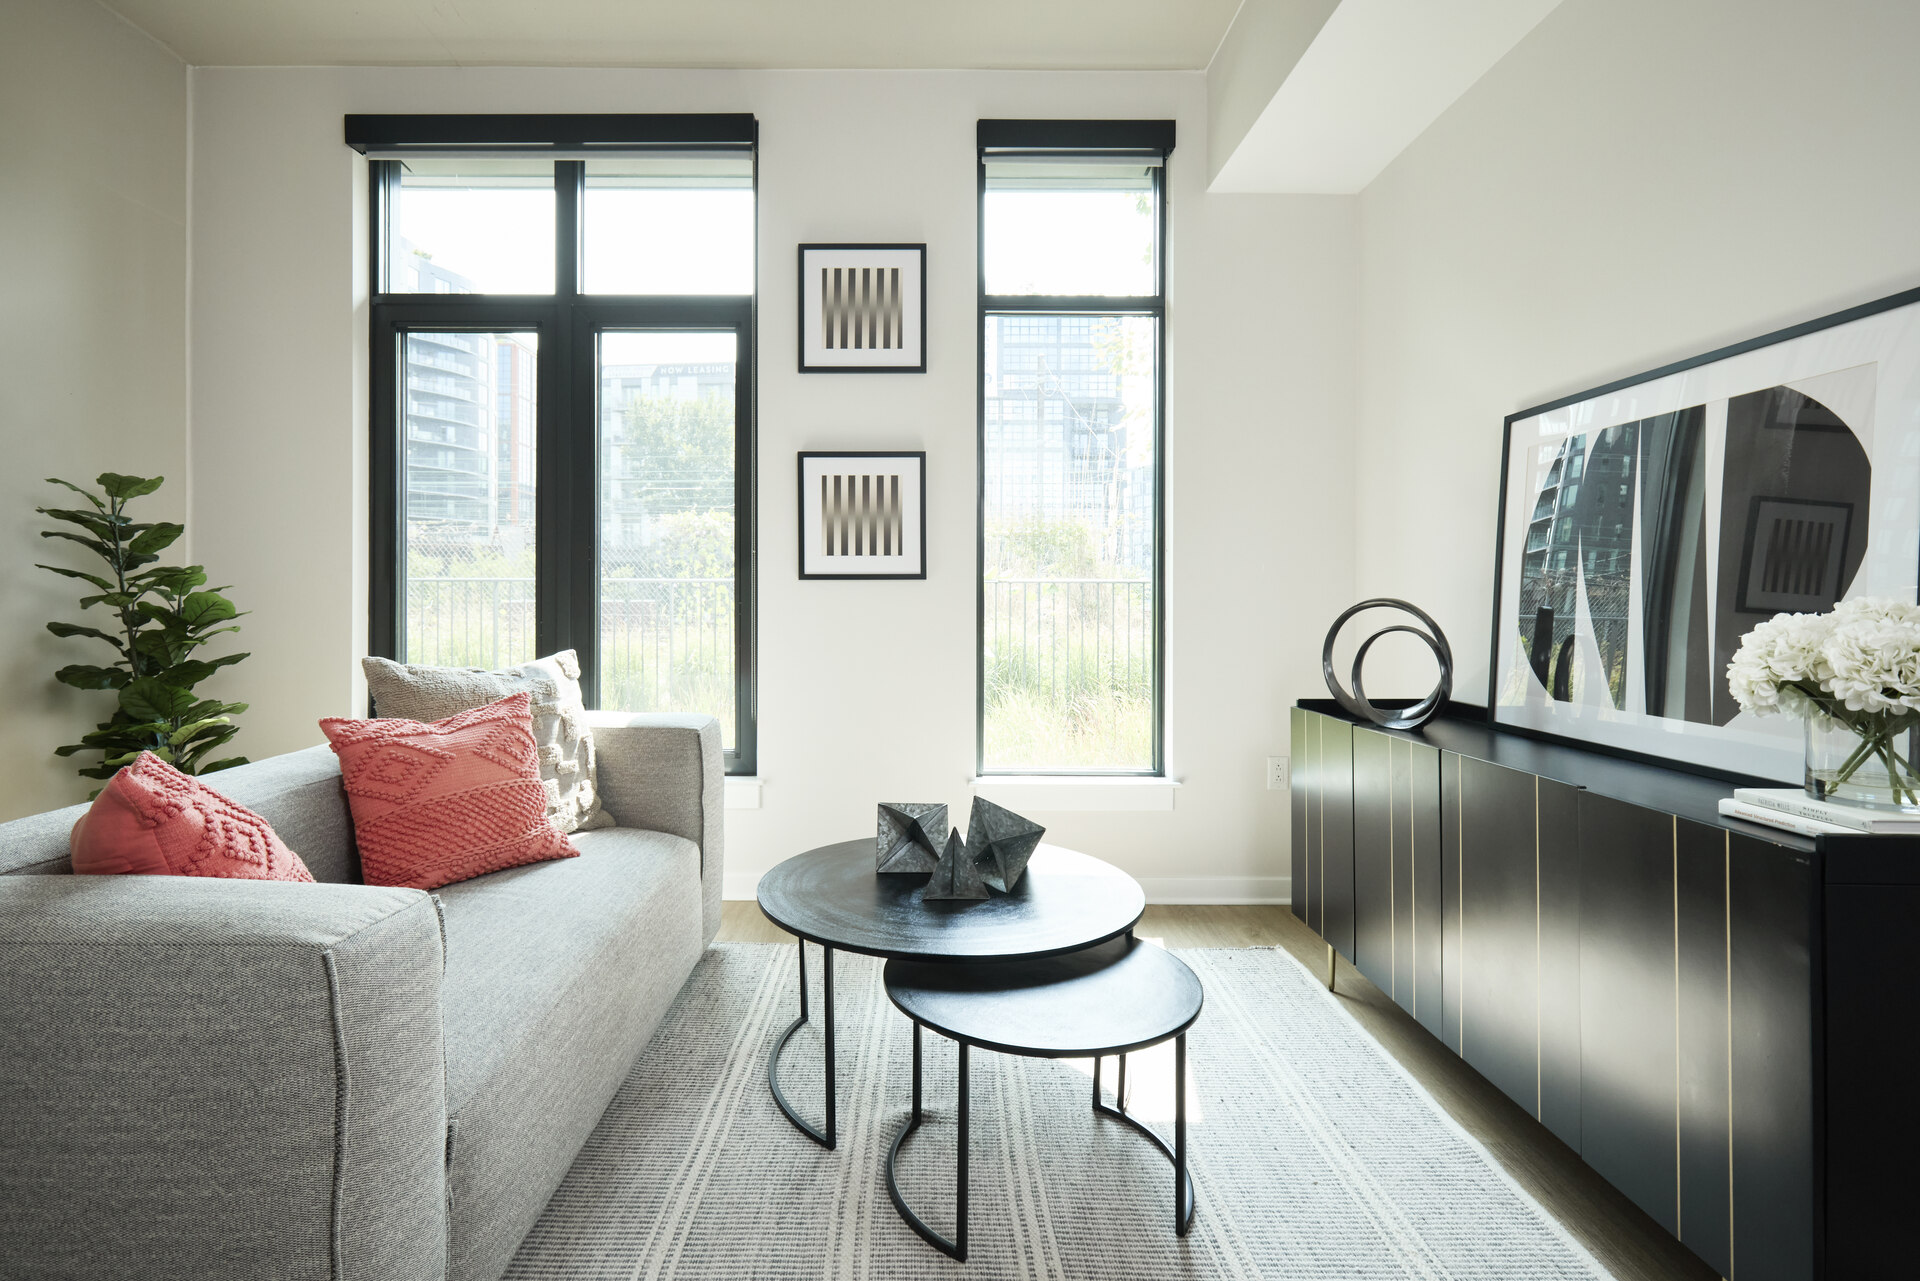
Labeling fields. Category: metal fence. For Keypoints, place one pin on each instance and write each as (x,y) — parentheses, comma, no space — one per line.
(665,643)
(1068,657)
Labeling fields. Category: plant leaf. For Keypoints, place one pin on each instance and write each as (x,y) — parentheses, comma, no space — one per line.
(84,493)
(74,629)
(156,537)
(86,676)
(95,545)
(150,700)
(228,763)
(103,584)
(172,578)
(119,600)
(123,487)
(199,729)
(98,525)
(201,609)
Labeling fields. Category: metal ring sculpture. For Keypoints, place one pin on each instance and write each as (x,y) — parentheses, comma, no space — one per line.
(1356,703)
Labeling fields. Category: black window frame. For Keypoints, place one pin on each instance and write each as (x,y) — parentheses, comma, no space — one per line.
(568,322)
(1119,139)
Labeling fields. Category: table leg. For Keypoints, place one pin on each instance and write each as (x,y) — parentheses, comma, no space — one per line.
(916,1074)
(1183,1198)
(828,1137)
(956,1248)
(1182,1213)
(960,1178)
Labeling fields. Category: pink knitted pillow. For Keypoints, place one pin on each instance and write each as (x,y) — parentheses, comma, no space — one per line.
(150,819)
(438,803)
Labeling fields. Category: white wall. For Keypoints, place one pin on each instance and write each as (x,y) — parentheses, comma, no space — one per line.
(93,279)
(1637,182)
(1260,427)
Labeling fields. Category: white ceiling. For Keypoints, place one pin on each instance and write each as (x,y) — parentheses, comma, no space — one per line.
(1014,34)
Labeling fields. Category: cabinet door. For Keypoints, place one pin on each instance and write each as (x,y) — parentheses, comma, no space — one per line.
(1773,897)
(1335,767)
(1499,929)
(1559,871)
(1424,901)
(1373,842)
(1629,1002)
(1299,790)
(1706,1167)
(1452,828)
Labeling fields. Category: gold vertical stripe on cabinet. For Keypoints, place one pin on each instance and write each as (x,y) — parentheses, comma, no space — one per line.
(1536,948)
(1677,1208)
(1726,899)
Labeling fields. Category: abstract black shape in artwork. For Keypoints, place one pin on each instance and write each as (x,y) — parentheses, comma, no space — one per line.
(909,840)
(955,876)
(1002,843)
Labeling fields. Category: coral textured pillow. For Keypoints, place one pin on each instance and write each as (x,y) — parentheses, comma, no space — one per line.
(151,819)
(441,802)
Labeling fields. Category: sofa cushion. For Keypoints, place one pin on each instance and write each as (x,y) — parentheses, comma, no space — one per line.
(421,693)
(439,803)
(556,975)
(301,795)
(150,819)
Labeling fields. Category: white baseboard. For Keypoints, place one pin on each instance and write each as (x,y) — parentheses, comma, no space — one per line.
(1225,890)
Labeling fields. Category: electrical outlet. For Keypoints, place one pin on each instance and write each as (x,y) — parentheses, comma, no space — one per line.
(1276,773)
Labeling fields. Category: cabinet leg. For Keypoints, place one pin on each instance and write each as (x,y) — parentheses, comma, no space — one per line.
(1330,964)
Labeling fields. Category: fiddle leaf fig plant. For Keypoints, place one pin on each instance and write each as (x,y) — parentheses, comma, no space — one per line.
(160,615)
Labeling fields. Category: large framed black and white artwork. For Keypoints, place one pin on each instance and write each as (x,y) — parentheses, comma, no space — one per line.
(863,514)
(863,309)
(1646,526)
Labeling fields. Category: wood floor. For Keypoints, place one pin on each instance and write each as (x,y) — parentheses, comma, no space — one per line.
(1625,1240)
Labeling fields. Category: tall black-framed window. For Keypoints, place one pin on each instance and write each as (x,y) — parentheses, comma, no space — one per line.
(1072,622)
(562,369)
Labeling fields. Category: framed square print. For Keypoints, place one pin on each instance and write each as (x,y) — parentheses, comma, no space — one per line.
(863,514)
(863,309)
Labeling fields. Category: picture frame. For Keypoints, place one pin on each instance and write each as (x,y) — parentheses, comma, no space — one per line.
(863,514)
(1646,525)
(863,309)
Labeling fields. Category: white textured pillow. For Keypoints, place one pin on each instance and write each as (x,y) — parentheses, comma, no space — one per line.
(560,732)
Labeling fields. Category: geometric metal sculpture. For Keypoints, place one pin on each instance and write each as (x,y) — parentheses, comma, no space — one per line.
(1356,703)
(955,876)
(909,838)
(1002,842)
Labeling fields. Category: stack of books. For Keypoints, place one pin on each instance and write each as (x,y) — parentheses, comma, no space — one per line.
(1795,811)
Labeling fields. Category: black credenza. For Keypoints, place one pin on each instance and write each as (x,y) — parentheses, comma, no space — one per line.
(1720,1018)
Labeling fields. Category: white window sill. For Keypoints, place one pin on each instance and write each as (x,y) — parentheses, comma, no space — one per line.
(743,792)
(1043,793)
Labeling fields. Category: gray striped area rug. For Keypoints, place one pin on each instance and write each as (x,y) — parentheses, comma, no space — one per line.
(1314,1155)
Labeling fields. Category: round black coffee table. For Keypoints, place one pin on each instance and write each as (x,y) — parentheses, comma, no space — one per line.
(832,897)
(1120,996)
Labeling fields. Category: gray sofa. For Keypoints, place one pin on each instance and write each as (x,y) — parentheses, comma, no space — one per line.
(210,1079)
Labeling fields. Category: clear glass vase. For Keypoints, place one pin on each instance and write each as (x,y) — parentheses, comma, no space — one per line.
(1867,764)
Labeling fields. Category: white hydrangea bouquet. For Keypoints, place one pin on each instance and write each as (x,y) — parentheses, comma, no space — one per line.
(1853,675)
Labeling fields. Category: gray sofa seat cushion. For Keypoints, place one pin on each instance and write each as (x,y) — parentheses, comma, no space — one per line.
(557,973)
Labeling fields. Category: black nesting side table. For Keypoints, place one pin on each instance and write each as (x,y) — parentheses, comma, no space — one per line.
(833,897)
(1115,998)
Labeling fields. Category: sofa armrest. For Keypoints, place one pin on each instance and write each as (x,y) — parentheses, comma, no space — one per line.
(220,1079)
(665,773)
